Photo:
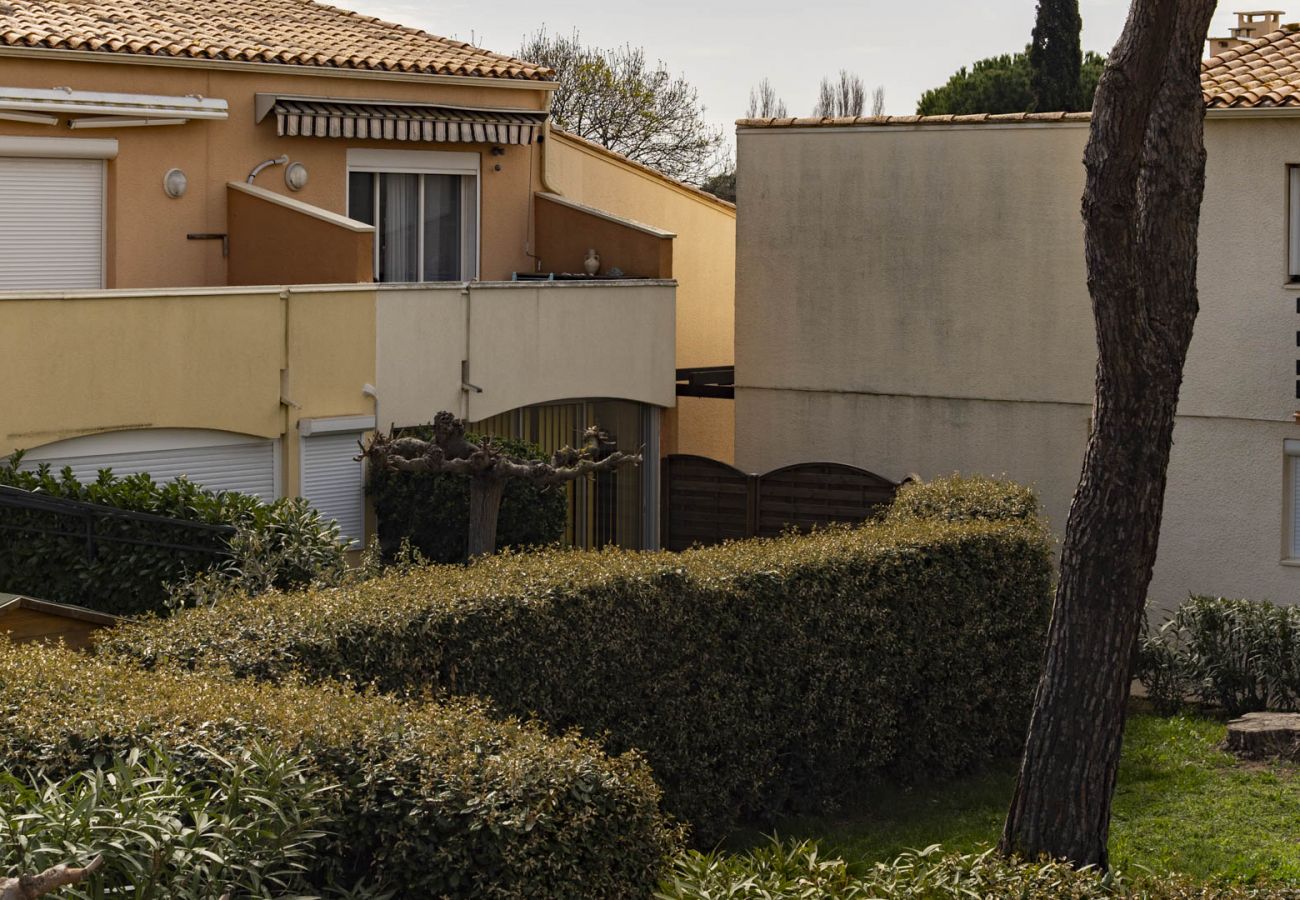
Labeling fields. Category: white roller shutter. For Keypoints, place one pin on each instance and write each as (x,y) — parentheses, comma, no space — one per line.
(246,467)
(332,481)
(51,224)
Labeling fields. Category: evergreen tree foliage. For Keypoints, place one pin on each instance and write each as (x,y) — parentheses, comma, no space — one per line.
(1055,59)
(1001,84)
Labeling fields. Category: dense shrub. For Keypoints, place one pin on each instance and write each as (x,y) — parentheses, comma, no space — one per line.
(797,871)
(437,801)
(285,544)
(756,677)
(431,511)
(1243,655)
(964,499)
(250,824)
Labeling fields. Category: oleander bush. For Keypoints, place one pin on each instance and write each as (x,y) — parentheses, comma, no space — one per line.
(431,511)
(758,677)
(965,498)
(797,871)
(281,545)
(432,800)
(1243,655)
(249,823)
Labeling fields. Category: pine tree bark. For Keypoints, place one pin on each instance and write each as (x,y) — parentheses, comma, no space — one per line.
(1145,163)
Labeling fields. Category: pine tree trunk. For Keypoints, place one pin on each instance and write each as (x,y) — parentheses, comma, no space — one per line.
(484,508)
(1146,171)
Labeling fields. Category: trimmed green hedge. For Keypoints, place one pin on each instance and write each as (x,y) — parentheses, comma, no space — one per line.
(432,511)
(293,543)
(434,801)
(757,677)
(964,499)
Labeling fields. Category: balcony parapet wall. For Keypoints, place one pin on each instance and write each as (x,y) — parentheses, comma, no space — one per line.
(276,239)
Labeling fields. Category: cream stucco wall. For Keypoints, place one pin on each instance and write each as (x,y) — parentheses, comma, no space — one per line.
(704,266)
(146,239)
(525,343)
(913,300)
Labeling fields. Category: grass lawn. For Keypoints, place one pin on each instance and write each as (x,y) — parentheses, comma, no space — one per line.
(1182,806)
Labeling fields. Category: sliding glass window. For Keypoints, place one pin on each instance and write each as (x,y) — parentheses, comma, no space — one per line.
(424,226)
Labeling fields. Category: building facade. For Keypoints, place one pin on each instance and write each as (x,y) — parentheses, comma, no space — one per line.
(233,242)
(912,298)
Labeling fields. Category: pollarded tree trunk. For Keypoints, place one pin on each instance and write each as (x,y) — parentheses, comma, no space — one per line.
(485,495)
(488,468)
(1145,165)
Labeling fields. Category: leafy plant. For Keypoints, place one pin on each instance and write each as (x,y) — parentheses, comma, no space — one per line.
(249,823)
(142,566)
(433,800)
(757,677)
(1243,655)
(798,870)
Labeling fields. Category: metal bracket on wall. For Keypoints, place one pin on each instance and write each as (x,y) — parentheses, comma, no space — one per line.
(212,236)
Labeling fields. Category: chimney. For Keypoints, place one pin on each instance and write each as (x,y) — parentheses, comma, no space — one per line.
(1250,25)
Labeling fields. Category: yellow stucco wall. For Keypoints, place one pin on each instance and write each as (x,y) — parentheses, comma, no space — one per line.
(123,360)
(704,265)
(84,364)
(147,246)
(913,300)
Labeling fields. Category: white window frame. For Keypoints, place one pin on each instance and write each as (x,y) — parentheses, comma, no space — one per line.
(1293,223)
(1291,487)
(429,162)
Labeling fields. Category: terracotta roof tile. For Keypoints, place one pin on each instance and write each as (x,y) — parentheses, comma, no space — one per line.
(976,119)
(1261,73)
(292,32)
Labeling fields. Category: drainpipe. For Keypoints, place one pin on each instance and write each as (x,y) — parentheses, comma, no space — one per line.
(547,187)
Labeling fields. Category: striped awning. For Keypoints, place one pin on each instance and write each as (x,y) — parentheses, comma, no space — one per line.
(405,122)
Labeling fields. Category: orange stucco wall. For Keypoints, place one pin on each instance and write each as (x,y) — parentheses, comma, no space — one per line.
(272,244)
(564,235)
(146,243)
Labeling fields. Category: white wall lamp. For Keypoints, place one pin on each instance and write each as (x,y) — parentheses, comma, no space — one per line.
(295,176)
(175,183)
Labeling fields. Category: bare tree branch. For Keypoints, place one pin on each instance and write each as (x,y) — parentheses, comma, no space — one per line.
(29,887)
(846,96)
(489,468)
(617,99)
(764,103)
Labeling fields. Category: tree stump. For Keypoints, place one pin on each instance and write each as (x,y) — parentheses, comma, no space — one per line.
(1265,734)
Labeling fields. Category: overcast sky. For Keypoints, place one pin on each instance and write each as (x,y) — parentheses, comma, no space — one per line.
(724,47)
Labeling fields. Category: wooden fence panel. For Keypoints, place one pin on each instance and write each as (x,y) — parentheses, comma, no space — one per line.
(706,501)
(811,494)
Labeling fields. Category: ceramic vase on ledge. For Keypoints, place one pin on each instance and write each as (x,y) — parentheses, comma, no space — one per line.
(592,262)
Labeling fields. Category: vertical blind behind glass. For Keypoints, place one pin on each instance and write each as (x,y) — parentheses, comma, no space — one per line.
(417,221)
